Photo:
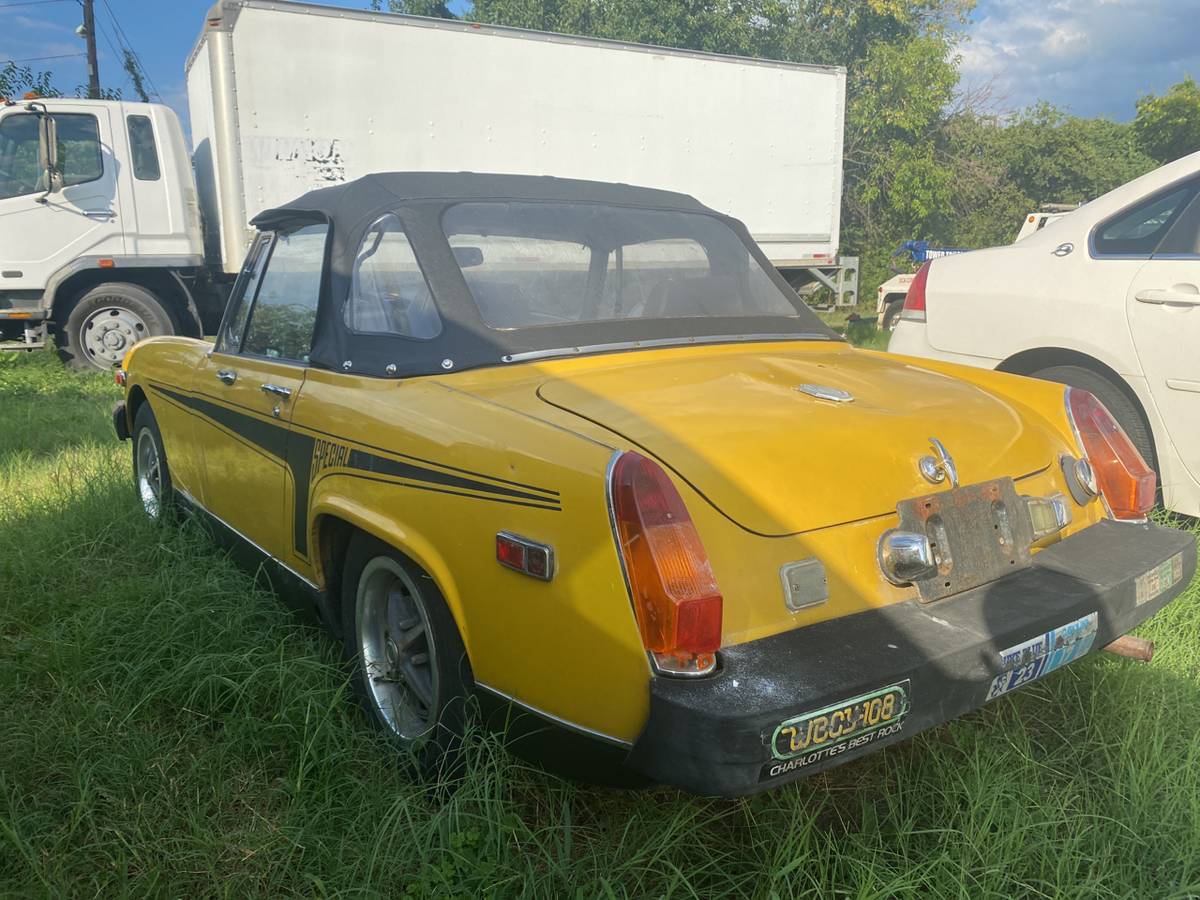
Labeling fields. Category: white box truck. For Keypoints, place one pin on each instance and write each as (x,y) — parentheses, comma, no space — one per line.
(112,237)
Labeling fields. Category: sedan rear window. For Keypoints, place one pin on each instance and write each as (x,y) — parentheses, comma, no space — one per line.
(529,264)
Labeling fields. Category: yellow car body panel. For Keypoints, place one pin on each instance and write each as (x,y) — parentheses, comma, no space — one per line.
(524,637)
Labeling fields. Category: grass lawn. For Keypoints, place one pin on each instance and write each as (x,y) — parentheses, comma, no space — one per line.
(166,728)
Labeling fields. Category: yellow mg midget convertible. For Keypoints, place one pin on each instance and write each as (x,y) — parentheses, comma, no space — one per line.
(577,451)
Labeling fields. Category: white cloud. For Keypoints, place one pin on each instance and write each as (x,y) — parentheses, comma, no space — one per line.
(1092,57)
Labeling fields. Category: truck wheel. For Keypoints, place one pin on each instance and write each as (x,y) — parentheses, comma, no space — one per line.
(410,669)
(891,313)
(151,477)
(107,321)
(1128,416)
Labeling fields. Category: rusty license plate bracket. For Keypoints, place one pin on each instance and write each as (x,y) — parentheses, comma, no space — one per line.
(979,532)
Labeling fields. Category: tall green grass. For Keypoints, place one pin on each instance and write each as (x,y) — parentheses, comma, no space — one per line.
(168,729)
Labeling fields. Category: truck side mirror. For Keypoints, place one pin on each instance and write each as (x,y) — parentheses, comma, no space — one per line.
(48,153)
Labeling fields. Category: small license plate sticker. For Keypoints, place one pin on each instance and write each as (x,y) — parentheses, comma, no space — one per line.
(809,738)
(1161,578)
(1041,655)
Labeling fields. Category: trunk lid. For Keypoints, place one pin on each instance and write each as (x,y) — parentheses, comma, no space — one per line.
(732,423)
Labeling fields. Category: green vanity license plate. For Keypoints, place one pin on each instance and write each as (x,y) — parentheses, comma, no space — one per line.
(858,717)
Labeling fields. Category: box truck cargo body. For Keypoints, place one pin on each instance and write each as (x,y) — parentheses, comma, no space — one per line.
(288,96)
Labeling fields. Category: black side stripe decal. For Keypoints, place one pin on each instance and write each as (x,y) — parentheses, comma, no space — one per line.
(296,450)
(551,495)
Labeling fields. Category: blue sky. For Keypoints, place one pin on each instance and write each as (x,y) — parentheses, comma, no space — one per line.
(1092,57)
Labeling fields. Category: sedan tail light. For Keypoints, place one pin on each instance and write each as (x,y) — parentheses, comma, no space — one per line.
(914,301)
(1127,483)
(675,594)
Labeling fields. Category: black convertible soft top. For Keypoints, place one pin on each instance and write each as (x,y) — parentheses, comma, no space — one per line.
(419,199)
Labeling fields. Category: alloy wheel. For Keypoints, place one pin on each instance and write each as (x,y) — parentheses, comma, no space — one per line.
(397,647)
(149,474)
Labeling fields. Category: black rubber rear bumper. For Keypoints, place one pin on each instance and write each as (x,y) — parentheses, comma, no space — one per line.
(715,736)
(120,422)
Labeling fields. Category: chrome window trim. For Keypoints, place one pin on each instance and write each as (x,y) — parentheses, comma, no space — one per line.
(663,342)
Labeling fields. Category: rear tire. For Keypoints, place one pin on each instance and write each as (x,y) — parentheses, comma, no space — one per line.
(107,321)
(1128,416)
(891,313)
(410,668)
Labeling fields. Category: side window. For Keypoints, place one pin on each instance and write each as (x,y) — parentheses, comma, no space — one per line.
(78,148)
(19,170)
(388,292)
(242,296)
(1139,230)
(285,311)
(519,281)
(78,152)
(638,275)
(143,148)
(1184,237)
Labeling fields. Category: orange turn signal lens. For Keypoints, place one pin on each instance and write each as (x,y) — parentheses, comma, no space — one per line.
(1127,483)
(675,594)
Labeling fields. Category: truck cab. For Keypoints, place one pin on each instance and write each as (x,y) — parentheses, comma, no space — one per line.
(100,237)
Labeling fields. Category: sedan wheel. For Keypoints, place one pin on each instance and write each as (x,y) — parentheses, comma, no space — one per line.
(399,654)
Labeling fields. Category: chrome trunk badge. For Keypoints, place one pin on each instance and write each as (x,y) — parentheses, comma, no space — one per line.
(823,392)
(937,469)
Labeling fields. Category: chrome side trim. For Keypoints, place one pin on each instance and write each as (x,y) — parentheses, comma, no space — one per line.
(570,726)
(662,342)
(192,501)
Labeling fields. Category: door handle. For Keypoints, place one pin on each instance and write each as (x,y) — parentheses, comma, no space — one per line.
(226,376)
(278,390)
(100,214)
(1172,297)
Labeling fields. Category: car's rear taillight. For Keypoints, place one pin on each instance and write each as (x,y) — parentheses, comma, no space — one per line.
(1124,479)
(675,594)
(914,301)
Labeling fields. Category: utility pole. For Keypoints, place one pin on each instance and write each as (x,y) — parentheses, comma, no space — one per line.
(89,35)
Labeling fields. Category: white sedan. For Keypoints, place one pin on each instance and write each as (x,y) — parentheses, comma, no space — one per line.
(1103,299)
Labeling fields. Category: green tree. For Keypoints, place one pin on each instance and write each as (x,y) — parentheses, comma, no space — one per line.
(16,81)
(1168,127)
(432,8)
(901,75)
(133,68)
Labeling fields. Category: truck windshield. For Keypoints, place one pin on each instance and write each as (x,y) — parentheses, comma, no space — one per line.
(531,264)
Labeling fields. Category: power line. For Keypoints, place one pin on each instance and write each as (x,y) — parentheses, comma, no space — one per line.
(123,39)
(30,3)
(40,58)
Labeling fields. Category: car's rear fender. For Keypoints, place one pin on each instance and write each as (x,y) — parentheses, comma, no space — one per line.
(437,474)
